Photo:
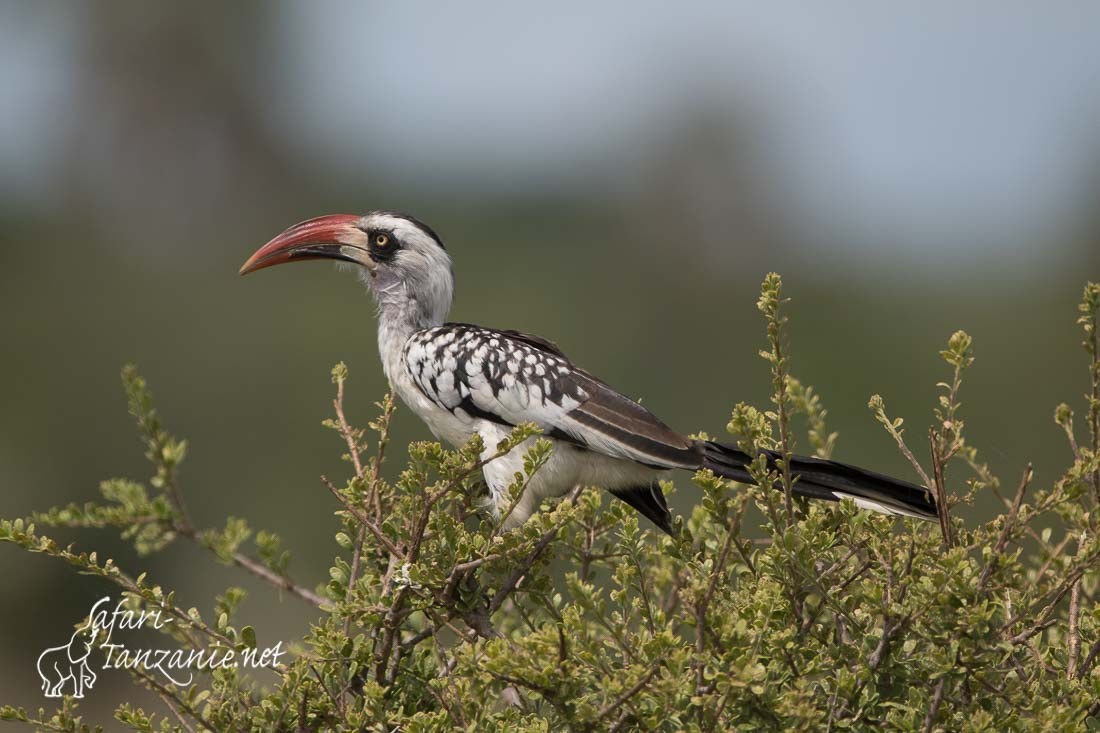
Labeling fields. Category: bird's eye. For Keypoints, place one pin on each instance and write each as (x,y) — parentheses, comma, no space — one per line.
(381,240)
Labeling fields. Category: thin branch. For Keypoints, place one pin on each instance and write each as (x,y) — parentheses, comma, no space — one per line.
(183,518)
(1092,346)
(934,707)
(167,696)
(772,310)
(351,437)
(941,491)
(1074,637)
(258,569)
(524,567)
(262,572)
(704,603)
(349,434)
(626,695)
(363,519)
(1094,650)
(396,613)
(832,709)
(389,406)
(1046,619)
(878,406)
(1007,529)
(1055,553)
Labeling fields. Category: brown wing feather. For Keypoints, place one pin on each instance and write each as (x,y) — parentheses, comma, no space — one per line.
(627,422)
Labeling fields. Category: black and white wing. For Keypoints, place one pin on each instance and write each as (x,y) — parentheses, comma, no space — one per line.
(510,378)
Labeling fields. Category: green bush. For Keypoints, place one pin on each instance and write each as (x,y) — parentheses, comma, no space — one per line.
(825,618)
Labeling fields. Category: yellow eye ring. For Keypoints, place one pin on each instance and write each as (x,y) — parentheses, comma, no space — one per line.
(381,240)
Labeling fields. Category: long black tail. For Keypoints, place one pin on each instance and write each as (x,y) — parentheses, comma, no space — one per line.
(821,479)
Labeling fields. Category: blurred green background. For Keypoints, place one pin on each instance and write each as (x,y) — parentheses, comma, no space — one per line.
(615,178)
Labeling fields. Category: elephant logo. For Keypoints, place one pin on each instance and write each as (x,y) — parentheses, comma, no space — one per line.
(64,669)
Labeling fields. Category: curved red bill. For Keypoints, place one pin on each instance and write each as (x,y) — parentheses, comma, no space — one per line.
(324,237)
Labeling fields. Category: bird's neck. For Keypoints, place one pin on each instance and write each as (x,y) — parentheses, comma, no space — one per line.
(399,317)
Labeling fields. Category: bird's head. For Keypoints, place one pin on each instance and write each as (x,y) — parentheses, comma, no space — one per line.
(401,260)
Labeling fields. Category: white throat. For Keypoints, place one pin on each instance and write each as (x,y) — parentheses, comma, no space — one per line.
(402,311)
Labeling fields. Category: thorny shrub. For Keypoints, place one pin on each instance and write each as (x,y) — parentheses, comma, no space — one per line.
(824,618)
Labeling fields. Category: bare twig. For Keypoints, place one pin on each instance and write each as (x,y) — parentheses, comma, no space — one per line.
(934,707)
(941,491)
(1046,618)
(279,581)
(1074,636)
(524,567)
(390,625)
(183,519)
(627,694)
(914,462)
(1007,529)
(351,437)
(1087,320)
(1065,420)
(171,700)
(783,413)
(349,434)
(389,406)
(784,437)
(894,429)
(1055,553)
(258,569)
(397,613)
(703,603)
(1086,665)
(363,519)
(832,709)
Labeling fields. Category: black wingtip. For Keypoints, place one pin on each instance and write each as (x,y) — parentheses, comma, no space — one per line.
(650,502)
(831,480)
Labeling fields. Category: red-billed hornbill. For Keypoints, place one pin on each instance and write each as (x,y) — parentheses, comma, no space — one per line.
(462,379)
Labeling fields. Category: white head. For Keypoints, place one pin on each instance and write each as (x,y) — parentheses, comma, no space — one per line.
(401,260)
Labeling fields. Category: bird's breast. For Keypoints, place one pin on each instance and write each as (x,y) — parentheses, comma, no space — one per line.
(444,425)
